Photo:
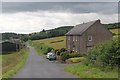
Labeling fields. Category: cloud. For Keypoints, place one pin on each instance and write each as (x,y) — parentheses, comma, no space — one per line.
(61,0)
(28,22)
(72,7)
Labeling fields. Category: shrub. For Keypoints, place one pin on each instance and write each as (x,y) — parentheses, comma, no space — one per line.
(64,56)
(56,51)
(60,51)
(104,54)
(44,49)
(63,50)
(72,55)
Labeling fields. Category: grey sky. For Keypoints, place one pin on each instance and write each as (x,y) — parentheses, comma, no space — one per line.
(28,17)
(60,0)
(73,7)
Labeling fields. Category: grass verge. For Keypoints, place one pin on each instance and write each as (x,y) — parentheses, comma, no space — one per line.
(76,59)
(39,51)
(13,62)
(36,46)
(41,48)
(83,71)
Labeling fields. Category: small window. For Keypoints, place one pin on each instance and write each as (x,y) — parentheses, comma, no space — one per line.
(76,39)
(68,46)
(68,37)
(76,50)
(90,38)
(73,44)
(73,49)
(73,38)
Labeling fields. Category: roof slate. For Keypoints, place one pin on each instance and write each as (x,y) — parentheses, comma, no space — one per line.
(79,29)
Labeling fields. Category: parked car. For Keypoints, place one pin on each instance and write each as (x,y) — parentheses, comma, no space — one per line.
(51,56)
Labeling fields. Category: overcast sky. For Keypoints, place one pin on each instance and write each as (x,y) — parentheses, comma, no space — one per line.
(28,17)
(60,0)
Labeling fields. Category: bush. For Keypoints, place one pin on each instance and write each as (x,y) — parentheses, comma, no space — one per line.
(60,51)
(56,51)
(64,56)
(104,54)
(63,50)
(72,55)
(44,49)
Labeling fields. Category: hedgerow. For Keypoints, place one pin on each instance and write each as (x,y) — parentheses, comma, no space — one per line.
(105,54)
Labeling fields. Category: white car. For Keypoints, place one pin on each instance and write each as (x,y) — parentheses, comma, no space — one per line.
(51,56)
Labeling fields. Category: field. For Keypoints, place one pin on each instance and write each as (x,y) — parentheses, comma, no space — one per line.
(115,31)
(12,62)
(0,66)
(81,70)
(56,42)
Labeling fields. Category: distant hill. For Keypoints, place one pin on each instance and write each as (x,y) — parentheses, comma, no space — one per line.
(7,36)
(60,31)
(112,25)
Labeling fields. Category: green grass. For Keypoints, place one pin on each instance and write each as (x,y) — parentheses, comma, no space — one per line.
(83,71)
(0,66)
(56,42)
(39,51)
(76,59)
(115,31)
(12,63)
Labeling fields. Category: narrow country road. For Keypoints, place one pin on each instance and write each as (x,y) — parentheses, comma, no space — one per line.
(39,67)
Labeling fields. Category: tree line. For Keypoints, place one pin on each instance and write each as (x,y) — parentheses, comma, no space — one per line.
(60,31)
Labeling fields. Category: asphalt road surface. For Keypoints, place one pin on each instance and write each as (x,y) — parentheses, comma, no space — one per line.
(39,67)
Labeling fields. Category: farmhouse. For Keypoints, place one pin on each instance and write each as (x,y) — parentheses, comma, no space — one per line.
(84,36)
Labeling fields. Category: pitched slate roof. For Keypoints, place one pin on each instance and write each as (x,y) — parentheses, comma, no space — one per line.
(15,41)
(79,29)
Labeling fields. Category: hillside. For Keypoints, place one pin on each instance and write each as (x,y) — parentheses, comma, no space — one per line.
(112,25)
(60,31)
(7,36)
(60,42)
(56,42)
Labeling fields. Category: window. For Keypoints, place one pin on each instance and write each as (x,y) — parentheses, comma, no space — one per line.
(76,38)
(73,38)
(73,44)
(68,37)
(89,37)
(73,49)
(76,50)
(68,46)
